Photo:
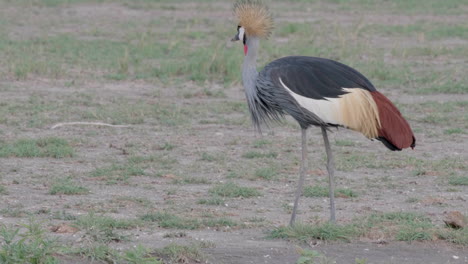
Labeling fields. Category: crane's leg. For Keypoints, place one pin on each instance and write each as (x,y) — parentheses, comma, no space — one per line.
(302,175)
(331,174)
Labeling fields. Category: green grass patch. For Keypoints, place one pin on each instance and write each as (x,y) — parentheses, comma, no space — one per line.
(430,30)
(167,220)
(266,173)
(448,87)
(456,236)
(92,221)
(3,190)
(103,229)
(162,161)
(139,254)
(447,114)
(118,173)
(31,246)
(96,251)
(443,166)
(261,143)
(322,191)
(135,166)
(63,215)
(215,200)
(30,148)
(120,110)
(325,231)
(67,187)
(101,252)
(175,253)
(401,226)
(233,190)
(458,180)
(350,161)
(412,200)
(433,7)
(256,154)
(190,180)
(308,256)
(209,157)
(452,131)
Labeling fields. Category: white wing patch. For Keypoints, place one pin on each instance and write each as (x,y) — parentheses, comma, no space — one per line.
(327,109)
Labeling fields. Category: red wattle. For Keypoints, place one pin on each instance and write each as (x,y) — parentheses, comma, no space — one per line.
(245,49)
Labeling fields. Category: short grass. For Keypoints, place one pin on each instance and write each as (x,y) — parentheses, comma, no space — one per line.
(325,231)
(120,172)
(98,252)
(168,220)
(266,173)
(233,190)
(3,190)
(458,180)
(430,31)
(214,200)
(322,191)
(68,187)
(210,157)
(400,226)
(451,131)
(175,253)
(29,246)
(308,256)
(262,143)
(257,154)
(443,166)
(104,229)
(190,180)
(30,148)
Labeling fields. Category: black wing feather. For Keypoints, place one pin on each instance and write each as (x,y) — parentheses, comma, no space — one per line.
(316,78)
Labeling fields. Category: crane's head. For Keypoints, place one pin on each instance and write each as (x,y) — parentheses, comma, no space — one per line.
(254,21)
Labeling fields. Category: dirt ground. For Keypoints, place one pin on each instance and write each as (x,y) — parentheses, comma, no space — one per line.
(213,151)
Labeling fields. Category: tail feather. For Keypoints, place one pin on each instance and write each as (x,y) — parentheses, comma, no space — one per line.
(394,132)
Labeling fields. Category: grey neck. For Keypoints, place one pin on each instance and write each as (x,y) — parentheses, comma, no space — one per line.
(249,67)
(249,79)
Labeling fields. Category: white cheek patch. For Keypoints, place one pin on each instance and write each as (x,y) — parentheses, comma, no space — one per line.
(241,33)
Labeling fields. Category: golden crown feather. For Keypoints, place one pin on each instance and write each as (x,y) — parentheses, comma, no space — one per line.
(254,17)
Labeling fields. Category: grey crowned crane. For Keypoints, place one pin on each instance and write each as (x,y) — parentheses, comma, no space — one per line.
(315,92)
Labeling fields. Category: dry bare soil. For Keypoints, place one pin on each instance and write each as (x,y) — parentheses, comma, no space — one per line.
(167,77)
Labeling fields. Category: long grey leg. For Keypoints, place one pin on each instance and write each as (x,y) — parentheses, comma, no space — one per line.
(302,175)
(331,174)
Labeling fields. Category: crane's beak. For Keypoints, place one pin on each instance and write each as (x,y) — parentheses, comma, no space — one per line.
(236,37)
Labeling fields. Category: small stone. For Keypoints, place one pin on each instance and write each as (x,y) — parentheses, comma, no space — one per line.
(455,219)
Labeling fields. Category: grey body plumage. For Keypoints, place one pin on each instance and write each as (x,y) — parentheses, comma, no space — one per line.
(267,100)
